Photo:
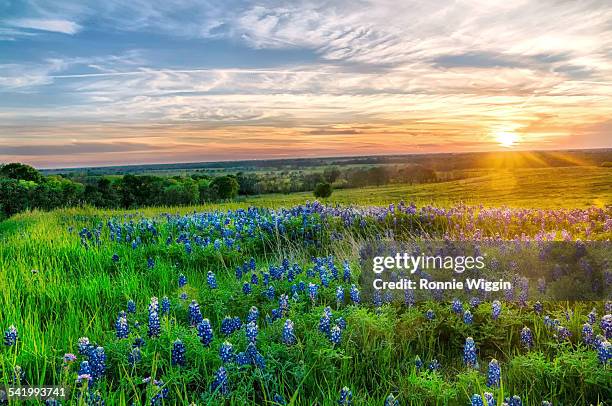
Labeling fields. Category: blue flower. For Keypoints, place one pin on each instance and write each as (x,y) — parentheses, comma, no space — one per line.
(246,288)
(288,333)
(182,280)
(346,397)
(154,305)
(538,308)
(335,335)
(604,352)
(391,400)
(606,325)
(469,353)
(211,280)
(354,293)
(494,374)
(313,291)
(162,393)
(226,352)
(587,334)
(430,315)
(121,326)
(85,370)
(339,295)
(253,315)
(165,305)
(477,400)
(346,277)
(526,337)
(418,363)
(195,316)
(220,383)
(496,308)
(178,353)
(283,304)
(154,327)
(254,279)
(115,257)
(131,306)
(279,399)
(251,332)
(205,332)
(514,401)
(592,317)
(97,362)
(467,317)
(434,365)
(134,356)
(150,263)
(489,398)
(324,323)
(11,336)
(457,306)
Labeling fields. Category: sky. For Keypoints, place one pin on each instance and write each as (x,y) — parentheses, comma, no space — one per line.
(115,82)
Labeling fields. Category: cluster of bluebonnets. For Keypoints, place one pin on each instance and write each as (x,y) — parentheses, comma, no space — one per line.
(324,287)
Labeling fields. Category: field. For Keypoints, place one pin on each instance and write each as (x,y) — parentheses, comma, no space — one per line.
(226,304)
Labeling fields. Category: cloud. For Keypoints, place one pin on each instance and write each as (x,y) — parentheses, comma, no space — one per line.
(51,25)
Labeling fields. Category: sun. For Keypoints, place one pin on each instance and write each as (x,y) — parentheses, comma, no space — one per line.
(506,138)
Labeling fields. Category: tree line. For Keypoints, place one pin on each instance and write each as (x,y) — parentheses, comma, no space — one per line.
(22,187)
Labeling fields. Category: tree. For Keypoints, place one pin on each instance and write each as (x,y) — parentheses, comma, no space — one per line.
(331,174)
(323,190)
(226,186)
(20,172)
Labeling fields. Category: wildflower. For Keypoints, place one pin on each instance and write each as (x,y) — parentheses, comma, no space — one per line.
(313,291)
(85,372)
(115,257)
(134,356)
(226,352)
(254,279)
(418,363)
(538,308)
(526,337)
(205,332)
(324,323)
(339,295)
(279,399)
(97,361)
(84,346)
(165,305)
(242,359)
(154,327)
(606,325)
(430,315)
(227,326)
(178,353)
(183,296)
(138,342)
(251,332)
(246,288)
(346,397)
(182,280)
(195,317)
(434,365)
(341,323)
(121,326)
(131,306)
(11,336)
(467,317)
(496,308)
(154,305)
(211,280)
(469,352)
(457,306)
(604,352)
(477,400)
(488,396)
(354,293)
(253,314)
(150,263)
(515,401)
(563,333)
(69,358)
(220,383)
(346,276)
(391,400)
(162,393)
(288,333)
(335,335)
(494,374)
(587,334)
(592,317)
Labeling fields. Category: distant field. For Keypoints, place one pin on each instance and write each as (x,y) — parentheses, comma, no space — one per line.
(536,188)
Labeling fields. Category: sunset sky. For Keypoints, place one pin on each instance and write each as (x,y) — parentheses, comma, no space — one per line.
(106,82)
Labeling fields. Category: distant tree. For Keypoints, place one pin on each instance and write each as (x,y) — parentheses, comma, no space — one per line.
(15,196)
(331,174)
(323,190)
(20,172)
(226,186)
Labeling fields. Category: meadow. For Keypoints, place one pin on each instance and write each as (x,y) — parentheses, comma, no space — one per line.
(260,302)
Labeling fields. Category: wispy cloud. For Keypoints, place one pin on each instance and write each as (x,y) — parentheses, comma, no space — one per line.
(51,25)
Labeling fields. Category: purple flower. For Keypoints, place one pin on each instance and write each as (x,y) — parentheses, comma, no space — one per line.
(606,325)
(526,337)
(496,308)
(469,353)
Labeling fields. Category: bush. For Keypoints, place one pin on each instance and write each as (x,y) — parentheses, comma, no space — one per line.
(323,190)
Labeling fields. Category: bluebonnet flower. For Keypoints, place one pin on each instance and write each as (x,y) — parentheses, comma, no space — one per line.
(187,248)
(391,400)
(526,337)
(134,356)
(85,372)
(538,308)
(313,291)
(162,393)
(251,332)
(288,333)
(340,322)
(178,353)
(52,402)
(346,397)
(496,308)
(115,257)
(195,316)
(494,374)
(606,325)
(253,315)
(283,304)
(154,327)
(154,305)
(183,296)
(354,293)
(165,305)
(587,334)
(205,332)
(335,335)
(546,403)
(226,352)
(430,315)
(246,288)
(279,399)
(84,346)
(97,362)
(242,359)
(418,363)
(121,326)
(131,306)
(489,398)
(324,323)
(182,280)
(469,353)
(563,333)
(11,336)
(211,279)
(434,365)
(269,292)
(138,342)
(259,361)
(604,352)
(457,306)
(467,317)
(69,358)
(592,317)
(254,279)
(477,400)
(220,383)
(514,401)
(346,276)
(150,263)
